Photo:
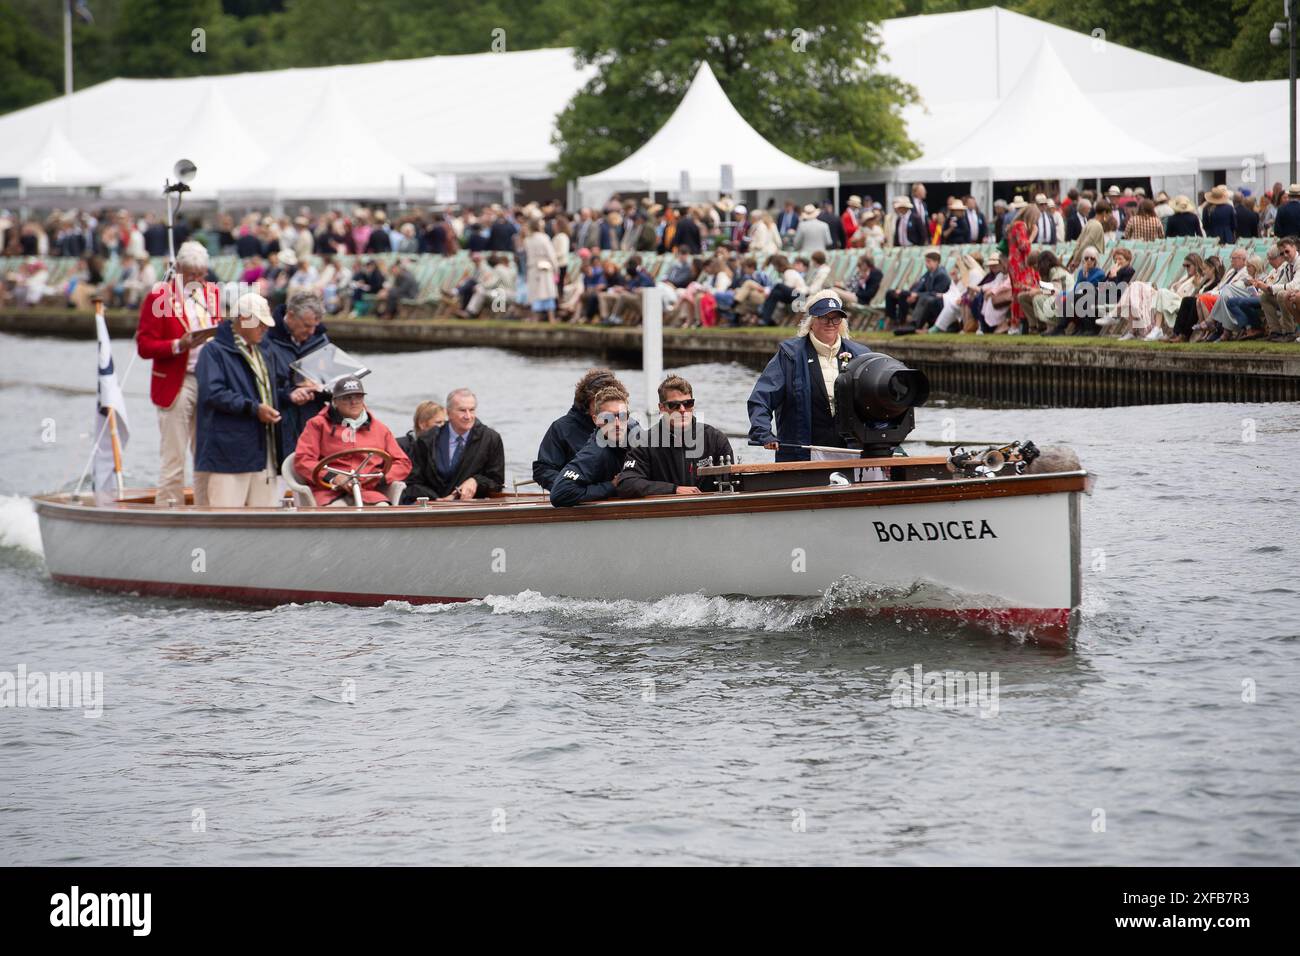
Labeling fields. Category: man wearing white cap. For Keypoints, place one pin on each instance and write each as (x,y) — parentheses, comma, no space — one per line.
(1049,232)
(236,410)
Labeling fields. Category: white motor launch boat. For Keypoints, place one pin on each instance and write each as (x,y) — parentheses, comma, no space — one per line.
(1000,550)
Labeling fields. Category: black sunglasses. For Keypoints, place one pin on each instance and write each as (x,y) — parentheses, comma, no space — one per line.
(676,404)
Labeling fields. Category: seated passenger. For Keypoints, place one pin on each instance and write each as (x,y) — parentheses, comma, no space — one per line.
(570,432)
(665,458)
(343,424)
(462,459)
(590,475)
(428,416)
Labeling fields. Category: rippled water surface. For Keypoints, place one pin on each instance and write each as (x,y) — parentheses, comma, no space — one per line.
(681,730)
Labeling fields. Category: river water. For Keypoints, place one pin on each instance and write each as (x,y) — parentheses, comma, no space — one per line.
(523,729)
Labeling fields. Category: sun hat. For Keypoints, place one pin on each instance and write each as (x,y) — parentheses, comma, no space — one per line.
(1218,196)
(1018,202)
(1182,204)
(855,202)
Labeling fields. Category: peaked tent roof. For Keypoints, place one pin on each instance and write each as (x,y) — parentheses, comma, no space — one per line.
(1021,137)
(704,133)
(331,154)
(214,139)
(55,163)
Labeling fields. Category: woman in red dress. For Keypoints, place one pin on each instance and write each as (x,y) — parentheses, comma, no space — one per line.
(1020,234)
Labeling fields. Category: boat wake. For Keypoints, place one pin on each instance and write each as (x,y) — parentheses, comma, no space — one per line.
(19,528)
(847,599)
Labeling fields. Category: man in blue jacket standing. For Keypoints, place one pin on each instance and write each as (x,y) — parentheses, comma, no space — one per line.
(798,385)
(236,410)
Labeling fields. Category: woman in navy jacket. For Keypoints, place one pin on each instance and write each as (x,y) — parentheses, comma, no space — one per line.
(785,389)
(232,428)
(1219,217)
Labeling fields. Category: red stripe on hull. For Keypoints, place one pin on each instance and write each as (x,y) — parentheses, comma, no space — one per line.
(1046,625)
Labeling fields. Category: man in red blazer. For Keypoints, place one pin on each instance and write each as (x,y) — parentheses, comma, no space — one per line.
(172,336)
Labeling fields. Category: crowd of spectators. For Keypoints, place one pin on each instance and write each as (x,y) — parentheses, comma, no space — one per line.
(732,265)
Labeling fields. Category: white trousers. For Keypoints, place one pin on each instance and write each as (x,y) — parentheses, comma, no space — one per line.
(249,489)
(176,425)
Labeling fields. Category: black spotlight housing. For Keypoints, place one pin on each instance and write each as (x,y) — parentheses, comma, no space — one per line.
(874,399)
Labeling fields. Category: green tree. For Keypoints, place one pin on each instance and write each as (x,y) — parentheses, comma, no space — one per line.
(1250,56)
(803,73)
(1188,31)
(31,65)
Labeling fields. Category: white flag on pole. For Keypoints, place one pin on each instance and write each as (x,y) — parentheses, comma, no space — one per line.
(109,396)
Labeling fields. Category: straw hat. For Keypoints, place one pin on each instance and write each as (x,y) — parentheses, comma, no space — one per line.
(1218,196)
(902,202)
(994,258)
(956,204)
(1113,191)
(1293,189)
(1040,199)
(1182,204)
(1019,203)
(855,202)
(809,212)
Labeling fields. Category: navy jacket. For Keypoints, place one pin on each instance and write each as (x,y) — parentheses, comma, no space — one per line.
(1220,221)
(561,442)
(293,418)
(785,390)
(230,439)
(935,282)
(1182,224)
(590,475)
(1287,222)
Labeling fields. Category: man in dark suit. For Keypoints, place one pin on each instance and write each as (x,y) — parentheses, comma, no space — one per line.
(1078,216)
(934,282)
(905,227)
(1287,222)
(688,233)
(459,460)
(788,221)
(1247,218)
(976,227)
(827,215)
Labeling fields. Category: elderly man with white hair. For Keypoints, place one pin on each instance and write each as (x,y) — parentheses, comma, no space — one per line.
(176,318)
(459,460)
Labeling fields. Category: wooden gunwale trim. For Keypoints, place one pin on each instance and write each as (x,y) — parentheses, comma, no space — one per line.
(487,513)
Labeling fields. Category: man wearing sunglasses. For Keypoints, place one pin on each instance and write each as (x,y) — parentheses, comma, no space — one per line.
(589,476)
(664,459)
(798,385)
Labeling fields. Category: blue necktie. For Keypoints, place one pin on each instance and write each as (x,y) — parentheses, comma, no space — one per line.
(457,444)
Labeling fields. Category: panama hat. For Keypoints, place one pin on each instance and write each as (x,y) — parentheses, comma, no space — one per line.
(809,212)
(1019,203)
(1113,191)
(902,202)
(855,202)
(1293,189)
(1218,196)
(956,204)
(1182,204)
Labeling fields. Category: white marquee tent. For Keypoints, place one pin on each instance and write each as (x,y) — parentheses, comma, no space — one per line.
(705,133)
(337,157)
(1046,127)
(54,163)
(489,118)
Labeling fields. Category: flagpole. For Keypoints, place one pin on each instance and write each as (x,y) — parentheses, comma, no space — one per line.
(67,47)
(117,451)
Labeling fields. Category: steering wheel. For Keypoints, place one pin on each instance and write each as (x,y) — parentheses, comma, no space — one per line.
(357,474)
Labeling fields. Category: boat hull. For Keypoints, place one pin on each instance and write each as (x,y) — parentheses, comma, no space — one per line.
(1002,550)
